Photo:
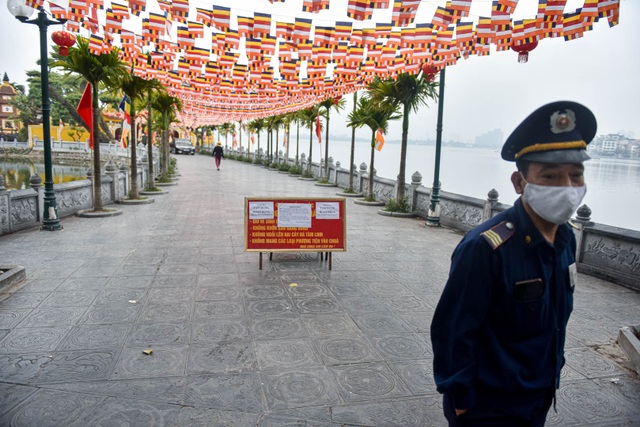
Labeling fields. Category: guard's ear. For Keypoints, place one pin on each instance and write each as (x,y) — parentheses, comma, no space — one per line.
(518,182)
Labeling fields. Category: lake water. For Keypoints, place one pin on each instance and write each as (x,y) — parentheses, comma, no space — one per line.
(17,174)
(613,185)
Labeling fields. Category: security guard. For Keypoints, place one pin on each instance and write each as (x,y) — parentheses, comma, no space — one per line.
(498,331)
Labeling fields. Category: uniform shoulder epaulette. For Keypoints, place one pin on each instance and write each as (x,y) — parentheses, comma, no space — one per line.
(499,234)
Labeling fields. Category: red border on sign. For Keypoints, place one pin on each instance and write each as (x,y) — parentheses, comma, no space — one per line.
(262,233)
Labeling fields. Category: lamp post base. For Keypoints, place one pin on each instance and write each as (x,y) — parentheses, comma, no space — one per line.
(433,216)
(52,226)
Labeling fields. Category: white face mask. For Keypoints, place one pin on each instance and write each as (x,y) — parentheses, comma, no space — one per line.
(554,204)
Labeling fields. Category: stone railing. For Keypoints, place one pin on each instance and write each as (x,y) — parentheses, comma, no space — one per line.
(69,147)
(21,209)
(611,253)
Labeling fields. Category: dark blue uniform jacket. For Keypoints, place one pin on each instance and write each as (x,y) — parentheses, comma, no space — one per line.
(498,331)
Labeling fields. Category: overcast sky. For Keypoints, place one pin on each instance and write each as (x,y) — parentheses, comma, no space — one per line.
(600,70)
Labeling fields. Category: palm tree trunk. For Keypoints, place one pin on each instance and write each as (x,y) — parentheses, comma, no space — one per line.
(256,152)
(97,173)
(310,147)
(297,142)
(277,140)
(150,183)
(353,144)
(403,154)
(326,149)
(134,155)
(288,145)
(165,144)
(373,152)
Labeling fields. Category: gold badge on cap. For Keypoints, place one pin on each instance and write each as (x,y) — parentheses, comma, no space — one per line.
(563,122)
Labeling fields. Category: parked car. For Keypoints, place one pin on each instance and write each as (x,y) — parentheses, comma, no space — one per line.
(182,147)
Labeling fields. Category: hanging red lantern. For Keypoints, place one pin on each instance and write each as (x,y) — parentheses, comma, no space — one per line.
(65,40)
(337,99)
(429,71)
(523,50)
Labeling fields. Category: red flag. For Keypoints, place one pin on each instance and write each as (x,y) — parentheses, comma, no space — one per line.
(85,109)
(318,129)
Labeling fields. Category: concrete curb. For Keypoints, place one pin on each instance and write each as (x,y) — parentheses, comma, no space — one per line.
(326,184)
(153,193)
(397,214)
(93,214)
(144,201)
(349,194)
(630,343)
(366,203)
(165,184)
(10,275)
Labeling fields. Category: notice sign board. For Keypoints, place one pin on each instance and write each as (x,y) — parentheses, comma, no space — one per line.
(294,224)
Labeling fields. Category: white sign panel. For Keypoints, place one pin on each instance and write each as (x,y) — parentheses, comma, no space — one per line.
(327,210)
(260,210)
(294,215)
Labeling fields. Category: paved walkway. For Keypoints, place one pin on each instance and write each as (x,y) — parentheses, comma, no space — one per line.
(235,346)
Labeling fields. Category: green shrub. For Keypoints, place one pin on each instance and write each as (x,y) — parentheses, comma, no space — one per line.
(394,206)
(164,178)
(283,167)
(307,174)
(295,170)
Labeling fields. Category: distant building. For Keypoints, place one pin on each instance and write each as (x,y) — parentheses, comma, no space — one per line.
(613,145)
(491,139)
(9,122)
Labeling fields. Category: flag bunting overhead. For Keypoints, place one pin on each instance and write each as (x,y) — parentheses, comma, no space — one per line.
(228,64)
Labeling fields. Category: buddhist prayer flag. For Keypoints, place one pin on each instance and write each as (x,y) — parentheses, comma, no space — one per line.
(85,110)
(125,108)
(379,139)
(319,129)
(198,61)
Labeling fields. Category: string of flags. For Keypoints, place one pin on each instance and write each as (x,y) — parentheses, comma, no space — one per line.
(232,65)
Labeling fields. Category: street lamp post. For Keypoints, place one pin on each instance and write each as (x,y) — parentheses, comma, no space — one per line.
(433,213)
(50,220)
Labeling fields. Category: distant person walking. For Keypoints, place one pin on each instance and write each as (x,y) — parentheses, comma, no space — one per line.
(218,153)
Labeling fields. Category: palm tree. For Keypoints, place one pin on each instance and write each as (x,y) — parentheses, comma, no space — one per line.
(375,116)
(411,92)
(270,124)
(136,88)
(353,146)
(308,118)
(256,125)
(225,129)
(277,123)
(337,104)
(286,122)
(167,106)
(105,69)
(298,117)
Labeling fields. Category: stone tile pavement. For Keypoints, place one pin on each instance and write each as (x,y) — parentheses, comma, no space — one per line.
(236,346)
